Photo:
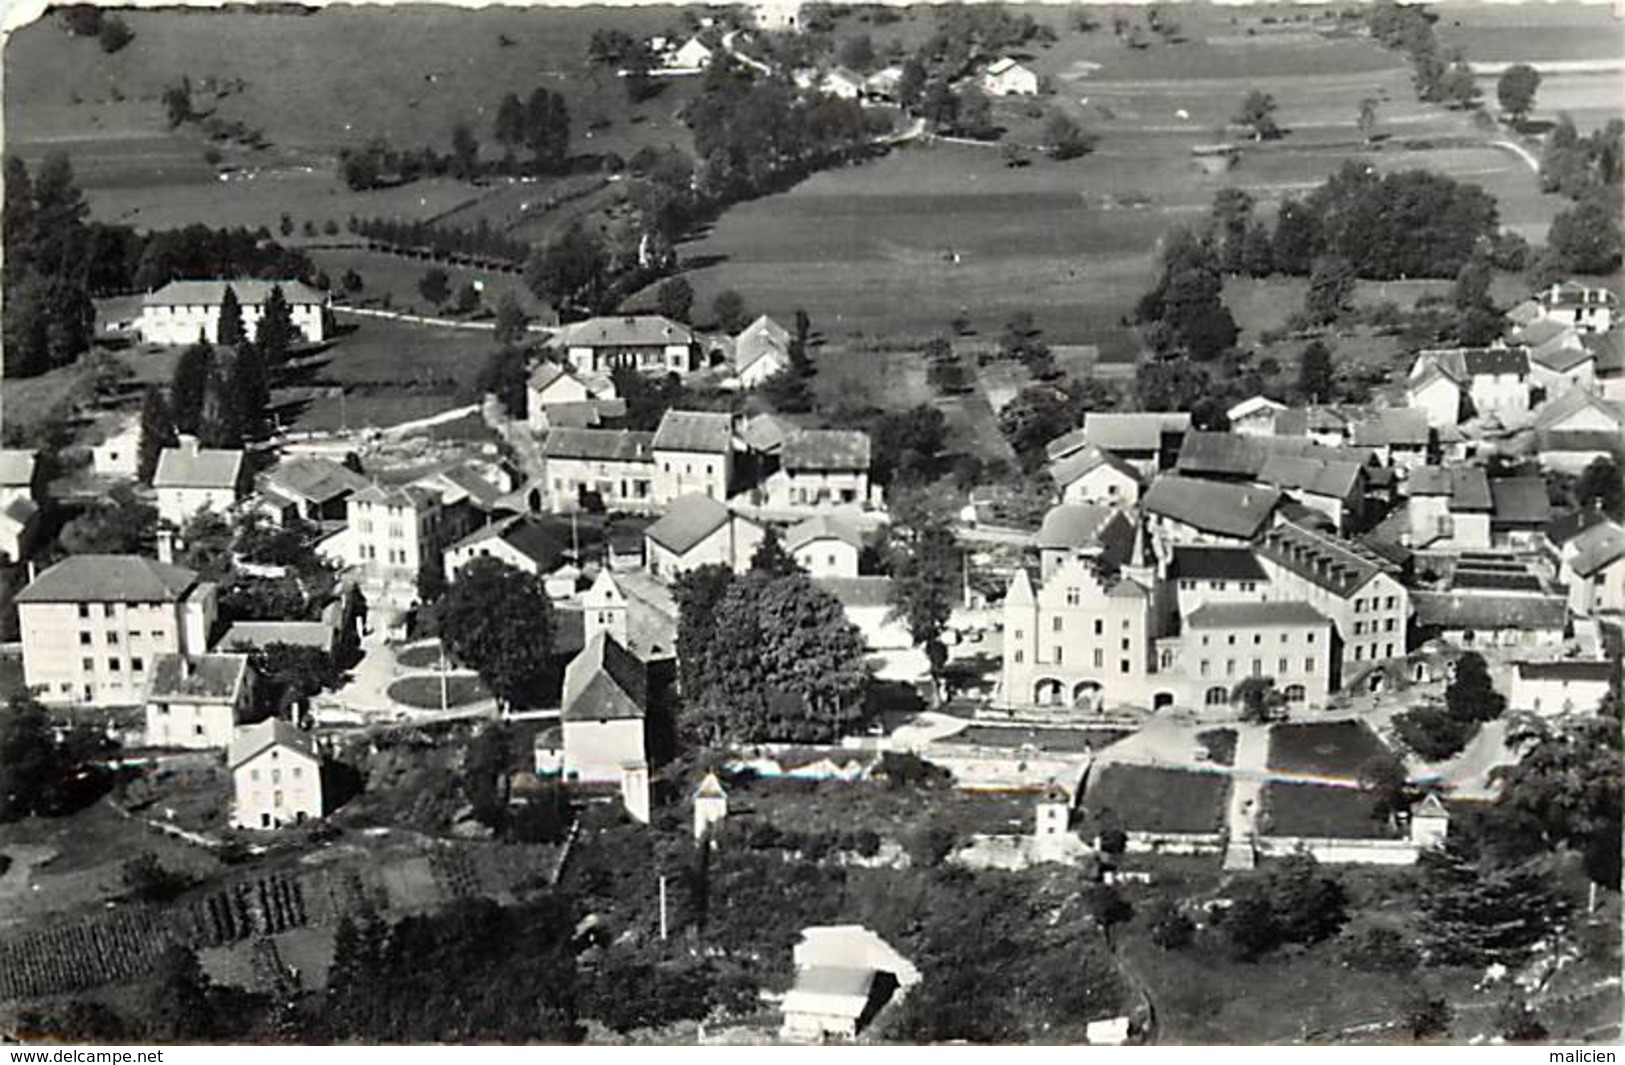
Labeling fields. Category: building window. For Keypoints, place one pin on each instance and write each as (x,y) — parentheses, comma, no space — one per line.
(88,665)
(1389,602)
(84,610)
(84,639)
(1017,658)
(1388,652)
(1055,623)
(112,639)
(1100,627)
(1295,693)
(1125,624)
(1258,667)
(1308,665)
(1057,656)
(254,775)
(1126,643)
(107,610)
(1258,638)
(1125,666)
(1309,638)
(1230,667)
(1357,653)
(1216,696)
(1205,667)
(136,665)
(1018,634)
(113,665)
(1388,625)
(1231,639)
(1204,639)
(1100,658)
(1359,628)
(1072,597)
(1281,666)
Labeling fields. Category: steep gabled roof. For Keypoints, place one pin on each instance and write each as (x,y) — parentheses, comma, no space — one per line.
(312,478)
(1085,460)
(1193,562)
(201,679)
(1240,511)
(760,339)
(1254,615)
(188,467)
(525,535)
(1337,565)
(1567,404)
(688,521)
(701,431)
(1116,431)
(1086,526)
(109,579)
(826,449)
(1392,427)
(251,741)
(608,445)
(822,527)
(1597,547)
(1337,478)
(1520,501)
(605,682)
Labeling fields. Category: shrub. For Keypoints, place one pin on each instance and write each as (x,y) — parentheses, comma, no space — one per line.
(147,880)
(114,34)
(1433,733)
(1170,928)
(929,845)
(1426,1015)
(1382,950)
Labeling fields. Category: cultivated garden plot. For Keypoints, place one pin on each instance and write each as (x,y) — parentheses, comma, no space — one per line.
(1329,749)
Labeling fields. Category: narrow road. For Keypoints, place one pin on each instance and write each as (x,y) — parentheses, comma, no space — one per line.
(424,319)
(1520,151)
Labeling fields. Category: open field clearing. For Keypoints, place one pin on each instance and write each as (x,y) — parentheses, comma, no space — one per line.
(410,73)
(392,280)
(1530,32)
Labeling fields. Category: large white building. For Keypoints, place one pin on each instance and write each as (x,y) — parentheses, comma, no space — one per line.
(648,343)
(190,479)
(94,626)
(183,311)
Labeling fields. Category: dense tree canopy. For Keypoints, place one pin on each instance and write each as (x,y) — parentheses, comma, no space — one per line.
(498,621)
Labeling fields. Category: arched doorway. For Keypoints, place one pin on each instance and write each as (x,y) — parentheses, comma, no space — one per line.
(1419,673)
(1216,696)
(1048,692)
(1162,701)
(1295,693)
(1377,683)
(1086,695)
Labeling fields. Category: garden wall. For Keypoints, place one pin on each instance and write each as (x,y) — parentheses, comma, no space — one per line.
(1333,851)
(1176,842)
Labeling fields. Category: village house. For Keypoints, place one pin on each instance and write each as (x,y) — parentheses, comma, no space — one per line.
(1590,310)
(1575,429)
(777,15)
(1316,424)
(1447,508)
(845,974)
(1564,686)
(1334,487)
(1456,384)
(697,530)
(1254,416)
(1356,588)
(195,701)
(1198,574)
(1090,475)
(605,706)
(557,397)
(522,542)
(19,511)
(1609,352)
(1590,552)
(1088,531)
(115,450)
(1476,613)
(1186,510)
(190,479)
(636,609)
(276,776)
(761,350)
(1522,510)
(882,85)
(1286,641)
(93,626)
(1006,77)
(825,546)
(1148,442)
(694,453)
(1399,436)
(1081,639)
(182,312)
(648,343)
(692,56)
(308,488)
(1558,357)
(609,468)
(841,83)
(820,468)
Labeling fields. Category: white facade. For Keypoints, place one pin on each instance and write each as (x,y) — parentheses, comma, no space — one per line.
(279,785)
(1009,78)
(182,311)
(1553,689)
(827,556)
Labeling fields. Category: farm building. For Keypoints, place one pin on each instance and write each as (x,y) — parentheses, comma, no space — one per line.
(183,311)
(697,530)
(1567,686)
(190,479)
(614,468)
(844,975)
(648,343)
(825,546)
(1006,77)
(196,701)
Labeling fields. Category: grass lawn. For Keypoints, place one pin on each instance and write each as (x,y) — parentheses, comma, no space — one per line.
(420,656)
(1144,799)
(1220,745)
(1320,810)
(391,281)
(1045,739)
(1332,748)
(424,692)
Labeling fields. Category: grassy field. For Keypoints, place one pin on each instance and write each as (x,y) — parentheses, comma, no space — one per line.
(1045,739)
(834,806)
(392,281)
(1144,799)
(425,692)
(1319,810)
(1334,748)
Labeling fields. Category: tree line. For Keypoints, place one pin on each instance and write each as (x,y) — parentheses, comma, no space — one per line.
(482,242)
(539,125)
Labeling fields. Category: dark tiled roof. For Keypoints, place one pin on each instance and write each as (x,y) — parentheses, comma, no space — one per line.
(526,535)
(252,740)
(1520,501)
(204,678)
(630,331)
(183,467)
(1569,669)
(1253,615)
(1201,563)
(312,478)
(1080,461)
(1340,566)
(1393,427)
(605,682)
(1226,509)
(709,432)
(603,445)
(1337,478)
(1489,611)
(109,579)
(822,527)
(249,292)
(1560,530)
(687,521)
(826,449)
(1595,548)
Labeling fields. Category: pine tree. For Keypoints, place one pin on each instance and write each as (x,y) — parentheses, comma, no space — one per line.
(220,420)
(230,331)
(253,388)
(276,334)
(192,373)
(157,432)
(1471,696)
(771,557)
(1315,373)
(1473,915)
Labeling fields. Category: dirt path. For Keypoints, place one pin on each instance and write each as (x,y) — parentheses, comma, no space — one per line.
(1520,151)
